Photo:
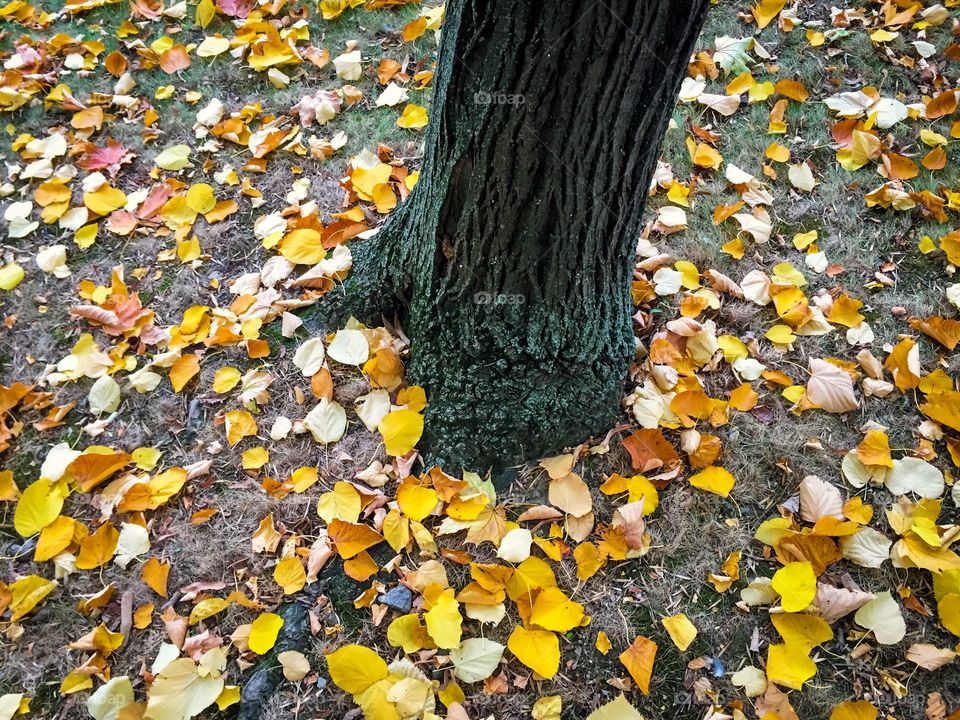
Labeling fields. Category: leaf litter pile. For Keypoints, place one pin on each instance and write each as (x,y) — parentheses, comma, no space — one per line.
(183,459)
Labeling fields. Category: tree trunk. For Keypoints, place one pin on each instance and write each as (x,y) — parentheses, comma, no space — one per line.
(512,258)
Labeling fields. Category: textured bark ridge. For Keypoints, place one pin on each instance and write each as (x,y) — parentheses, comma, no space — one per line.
(511,260)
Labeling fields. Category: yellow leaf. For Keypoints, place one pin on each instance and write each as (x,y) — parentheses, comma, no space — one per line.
(343,503)
(552,610)
(796,584)
(547,708)
(680,629)
(263,632)
(401,430)
(303,247)
(444,621)
(790,665)
(54,538)
(254,458)
(98,549)
(207,608)
(603,643)
(802,630)
(86,236)
(413,117)
(38,506)
(539,650)
(409,633)
(948,608)
(206,11)
(10,276)
(854,710)
(225,379)
(290,575)
(714,479)
(155,574)
(105,200)
(531,574)
(165,485)
(638,660)
(766,10)
(175,157)
(200,198)
(354,668)
(777,152)
(26,593)
(239,424)
(416,501)
(780,335)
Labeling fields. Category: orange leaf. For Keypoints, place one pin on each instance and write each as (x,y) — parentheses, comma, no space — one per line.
(351,538)
(875,449)
(155,574)
(638,660)
(936,159)
(650,450)
(91,469)
(943,104)
(183,370)
(944,330)
(174,59)
(792,89)
(97,550)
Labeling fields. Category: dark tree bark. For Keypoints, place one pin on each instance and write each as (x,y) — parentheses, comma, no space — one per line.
(512,258)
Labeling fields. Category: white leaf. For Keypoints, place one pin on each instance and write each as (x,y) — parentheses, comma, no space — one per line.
(372,408)
(930,657)
(752,679)
(667,281)
(104,395)
(515,546)
(866,547)
(476,659)
(392,95)
(801,177)
(327,422)
(914,475)
(830,388)
(309,357)
(133,542)
(295,665)
(819,499)
(349,347)
(175,157)
(109,699)
(882,615)
(889,112)
(755,286)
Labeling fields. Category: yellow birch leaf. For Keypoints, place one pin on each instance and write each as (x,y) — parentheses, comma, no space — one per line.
(354,668)
(263,632)
(638,660)
(797,585)
(539,650)
(290,575)
(680,629)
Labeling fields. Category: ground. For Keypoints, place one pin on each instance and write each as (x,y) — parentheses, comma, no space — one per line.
(768,447)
